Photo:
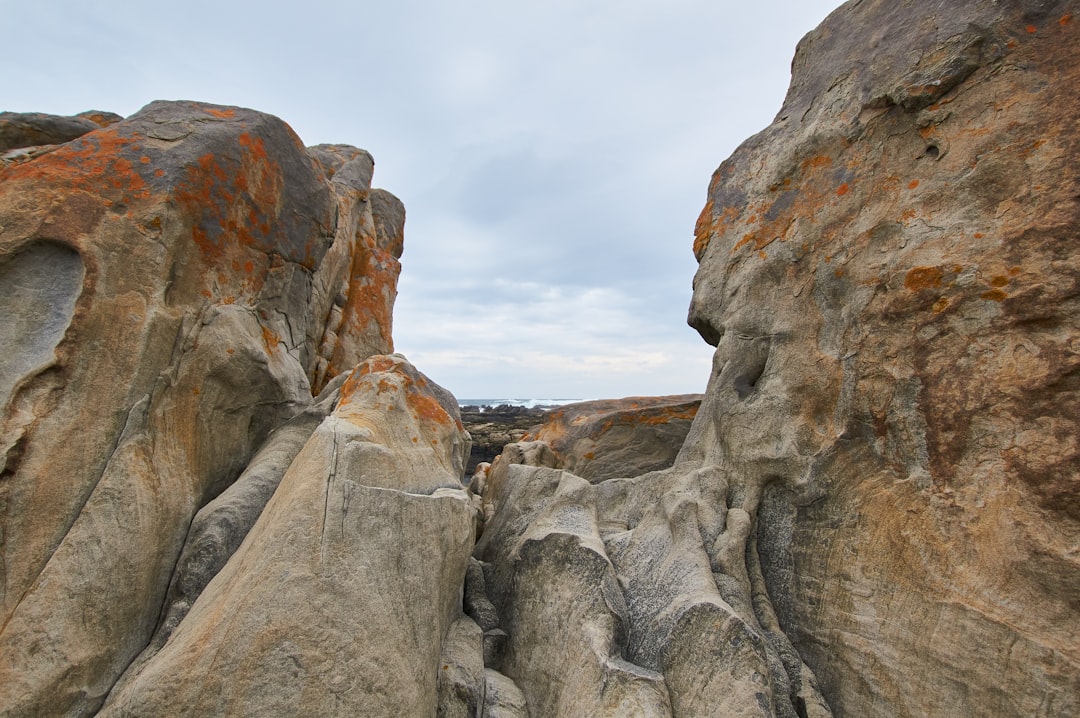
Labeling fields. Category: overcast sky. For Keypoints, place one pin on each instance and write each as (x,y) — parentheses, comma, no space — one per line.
(552,156)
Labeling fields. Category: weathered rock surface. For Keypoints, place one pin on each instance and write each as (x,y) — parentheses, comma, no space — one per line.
(874,512)
(889,273)
(32,129)
(173,285)
(338,600)
(612,438)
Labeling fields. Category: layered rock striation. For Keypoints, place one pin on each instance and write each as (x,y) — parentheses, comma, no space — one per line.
(889,275)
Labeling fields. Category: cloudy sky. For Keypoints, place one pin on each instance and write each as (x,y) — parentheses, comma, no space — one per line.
(552,156)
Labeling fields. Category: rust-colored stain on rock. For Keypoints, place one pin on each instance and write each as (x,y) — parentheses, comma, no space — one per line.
(923,278)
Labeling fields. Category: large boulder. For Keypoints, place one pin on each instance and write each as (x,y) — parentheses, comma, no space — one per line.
(338,601)
(173,286)
(611,438)
(889,274)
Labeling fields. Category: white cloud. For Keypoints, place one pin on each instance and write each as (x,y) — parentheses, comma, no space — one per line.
(552,157)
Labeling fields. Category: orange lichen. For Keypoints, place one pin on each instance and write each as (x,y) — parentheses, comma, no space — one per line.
(224,114)
(994,295)
(842,190)
(978,235)
(940,305)
(1065,19)
(1031,29)
(913,184)
(919,278)
(270,339)
(377,364)
(999,281)
(816,162)
(426,408)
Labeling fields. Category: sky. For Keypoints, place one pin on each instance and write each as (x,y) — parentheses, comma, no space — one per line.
(552,156)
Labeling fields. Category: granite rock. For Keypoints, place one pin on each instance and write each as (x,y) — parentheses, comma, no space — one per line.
(612,438)
(335,603)
(168,284)
(889,275)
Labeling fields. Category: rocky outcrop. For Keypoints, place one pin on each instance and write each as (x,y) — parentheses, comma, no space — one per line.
(173,285)
(335,604)
(21,130)
(221,494)
(889,273)
(612,438)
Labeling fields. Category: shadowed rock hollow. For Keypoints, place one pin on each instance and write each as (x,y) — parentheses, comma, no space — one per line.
(222,494)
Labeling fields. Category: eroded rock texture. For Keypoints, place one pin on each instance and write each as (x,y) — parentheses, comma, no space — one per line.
(612,438)
(875,510)
(173,286)
(889,274)
(337,601)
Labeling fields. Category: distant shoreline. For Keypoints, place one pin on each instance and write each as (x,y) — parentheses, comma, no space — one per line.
(483,404)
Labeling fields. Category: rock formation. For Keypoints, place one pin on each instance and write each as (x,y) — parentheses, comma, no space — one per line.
(889,275)
(221,493)
(874,513)
(612,438)
(173,287)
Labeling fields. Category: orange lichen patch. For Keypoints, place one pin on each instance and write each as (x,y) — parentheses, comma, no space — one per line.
(978,235)
(651,417)
(907,215)
(941,305)
(426,407)
(994,295)
(913,184)
(1028,147)
(195,391)
(590,455)
(816,162)
(367,316)
(230,351)
(999,281)
(1013,271)
(96,163)
(920,278)
(270,339)
(709,226)
(144,160)
(842,189)
(1065,20)
(377,364)
(223,114)
(1031,29)
(763,254)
